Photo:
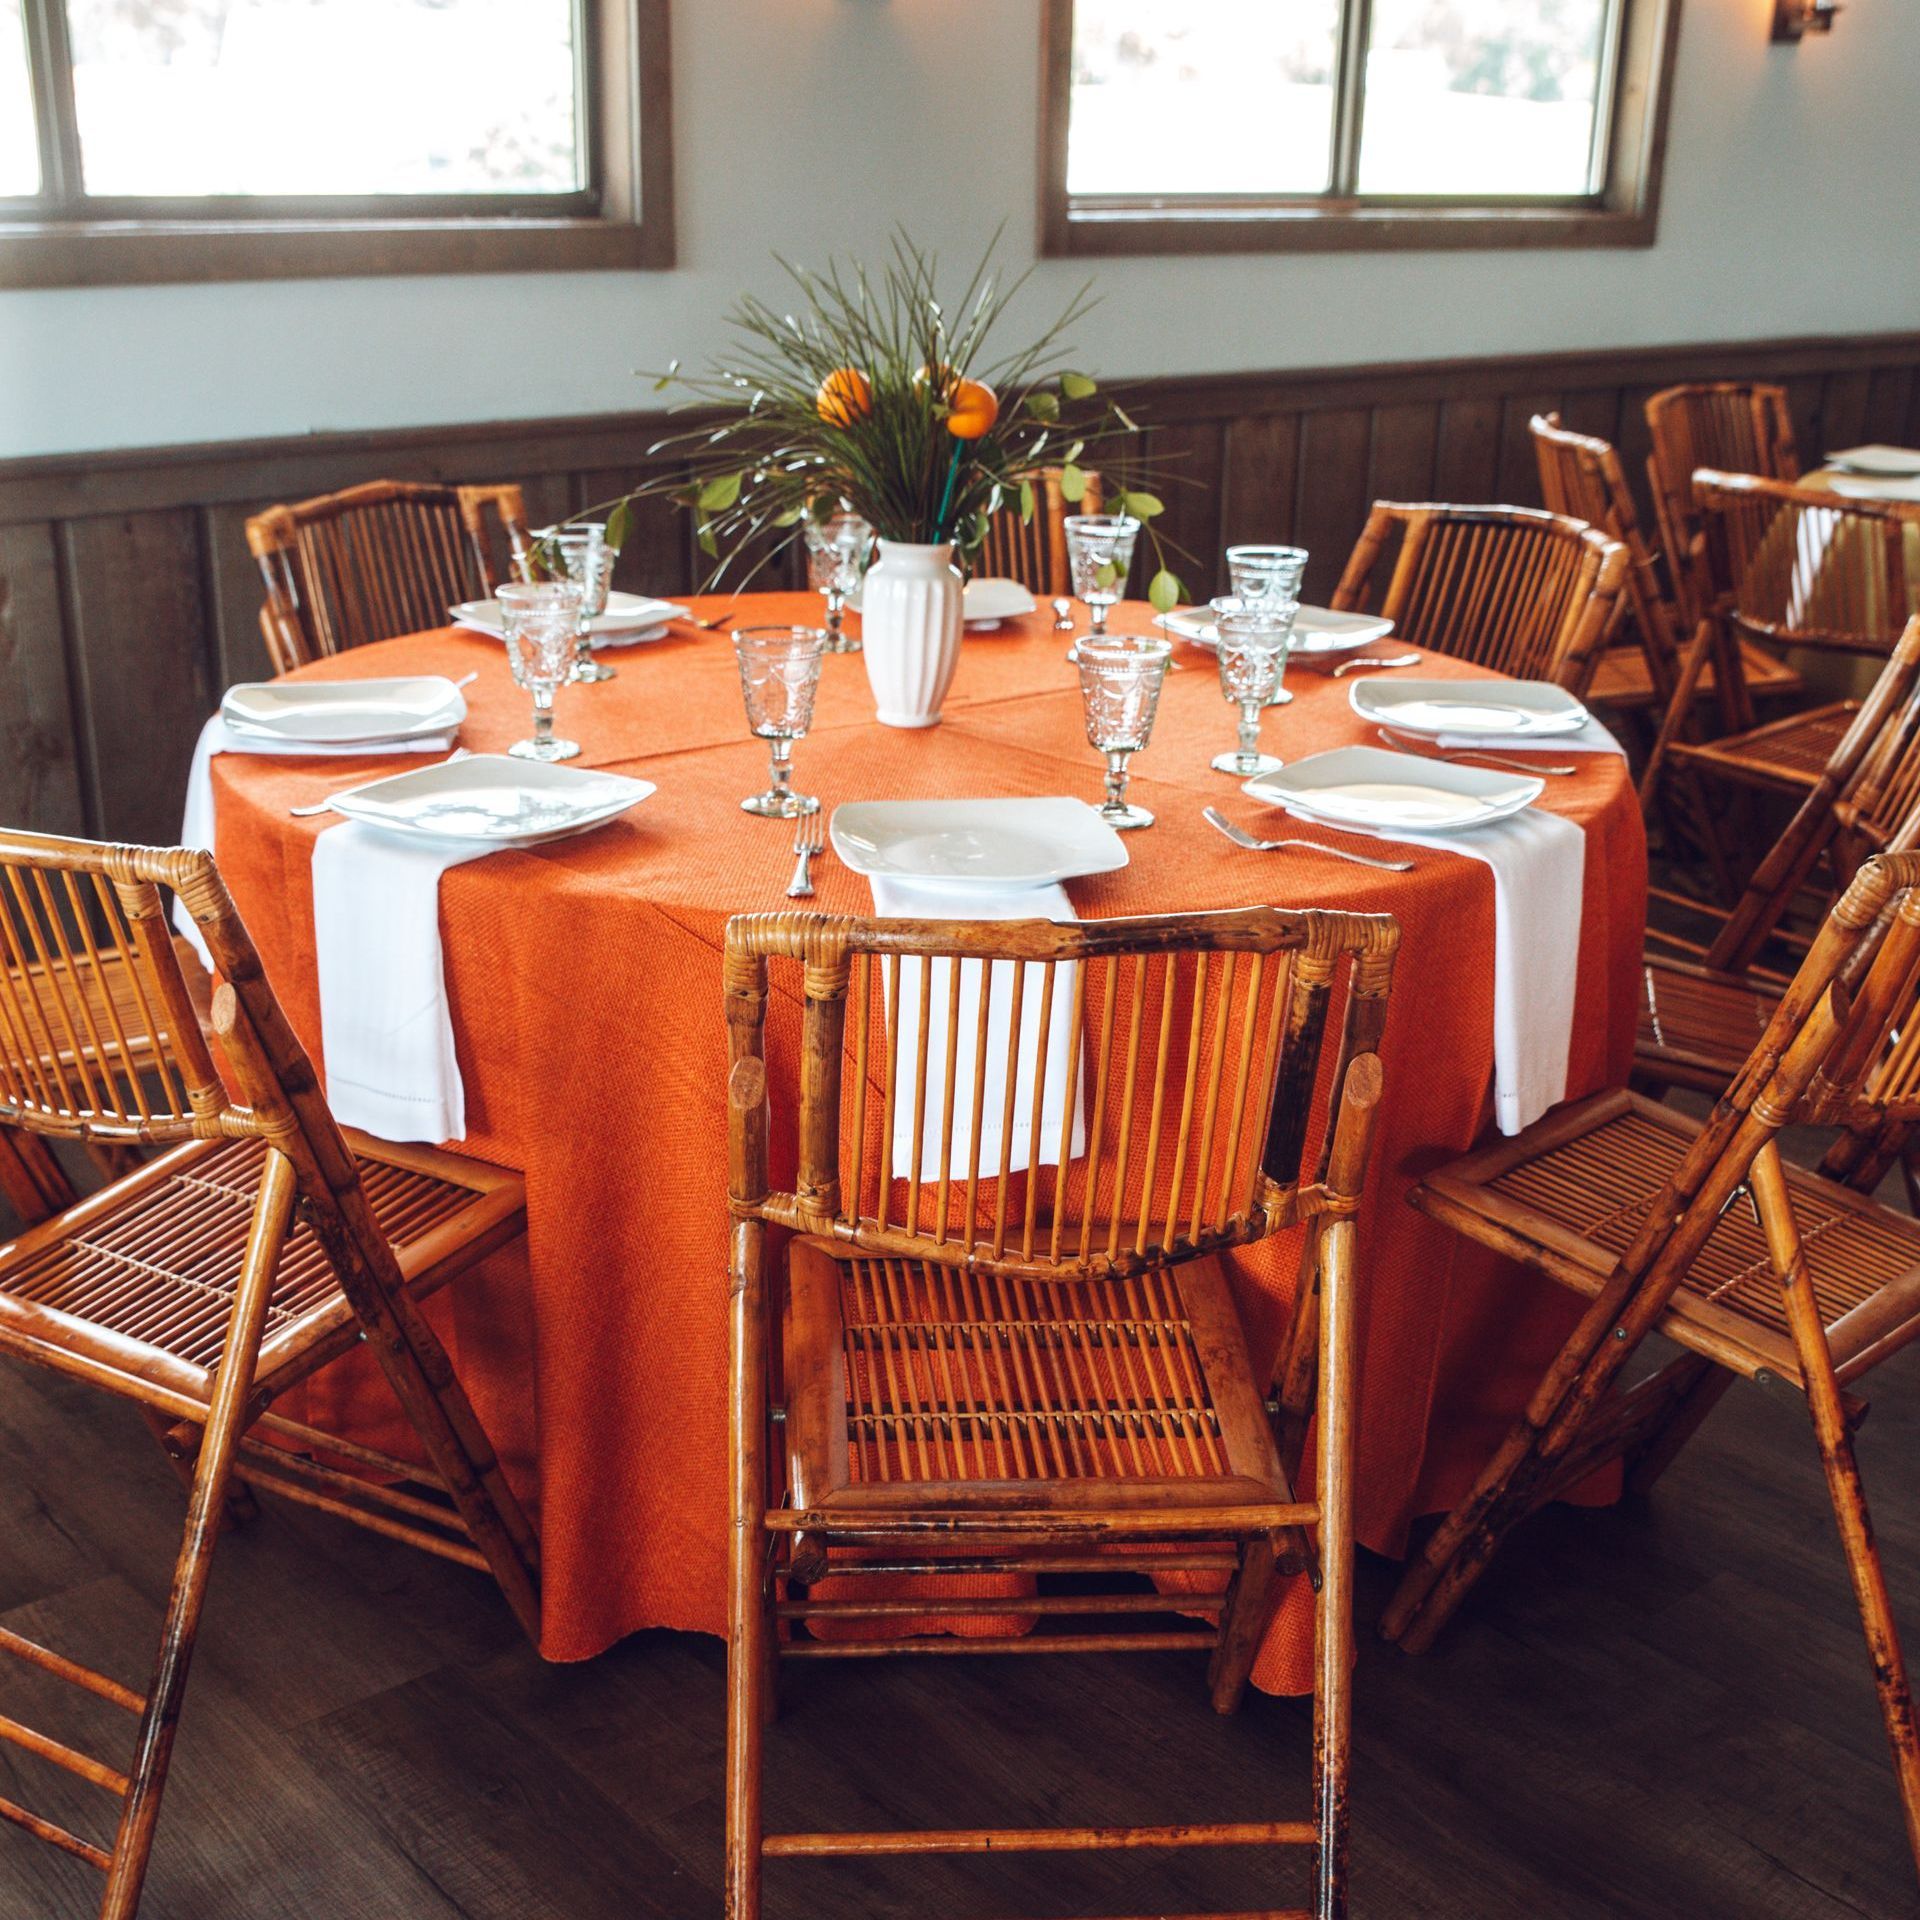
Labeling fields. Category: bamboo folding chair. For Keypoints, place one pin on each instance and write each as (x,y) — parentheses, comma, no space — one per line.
(1034,551)
(1530,594)
(201,1287)
(1582,478)
(1018,1361)
(1697,1230)
(377,561)
(1791,566)
(1732,426)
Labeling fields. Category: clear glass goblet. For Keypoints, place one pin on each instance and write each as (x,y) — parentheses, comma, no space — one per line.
(1120,680)
(779,676)
(541,620)
(1271,577)
(838,549)
(581,549)
(1252,656)
(1100,552)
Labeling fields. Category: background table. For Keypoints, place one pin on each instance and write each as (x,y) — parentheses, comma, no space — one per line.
(585,981)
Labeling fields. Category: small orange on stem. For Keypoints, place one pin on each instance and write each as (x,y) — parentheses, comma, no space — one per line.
(845,395)
(975,407)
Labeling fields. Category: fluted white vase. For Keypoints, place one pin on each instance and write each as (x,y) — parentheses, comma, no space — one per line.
(910,606)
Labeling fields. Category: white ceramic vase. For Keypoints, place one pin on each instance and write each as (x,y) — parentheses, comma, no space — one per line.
(910,622)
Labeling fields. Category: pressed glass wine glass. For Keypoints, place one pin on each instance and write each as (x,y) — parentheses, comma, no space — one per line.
(1252,655)
(1120,680)
(1269,576)
(581,549)
(1100,552)
(838,549)
(779,675)
(541,621)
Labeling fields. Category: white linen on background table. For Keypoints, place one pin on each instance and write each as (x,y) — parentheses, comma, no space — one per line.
(386,1029)
(196,822)
(899,899)
(1539,863)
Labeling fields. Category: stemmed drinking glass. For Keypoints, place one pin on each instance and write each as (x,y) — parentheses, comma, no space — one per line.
(1120,680)
(779,676)
(1252,654)
(838,549)
(581,548)
(1100,552)
(541,621)
(1269,577)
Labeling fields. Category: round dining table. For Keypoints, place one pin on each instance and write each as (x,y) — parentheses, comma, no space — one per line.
(584,978)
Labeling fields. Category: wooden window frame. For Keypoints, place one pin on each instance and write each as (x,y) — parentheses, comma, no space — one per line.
(1623,211)
(624,218)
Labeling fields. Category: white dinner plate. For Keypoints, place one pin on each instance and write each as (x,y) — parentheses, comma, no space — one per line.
(1372,788)
(985,603)
(1523,708)
(1315,630)
(1011,843)
(625,613)
(1858,487)
(1880,462)
(492,799)
(339,712)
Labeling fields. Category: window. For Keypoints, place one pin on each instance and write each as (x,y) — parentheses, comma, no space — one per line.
(163,139)
(1233,124)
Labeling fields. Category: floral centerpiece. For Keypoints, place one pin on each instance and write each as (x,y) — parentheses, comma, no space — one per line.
(875,395)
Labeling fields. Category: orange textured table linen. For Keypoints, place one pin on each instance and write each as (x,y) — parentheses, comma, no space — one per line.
(585,983)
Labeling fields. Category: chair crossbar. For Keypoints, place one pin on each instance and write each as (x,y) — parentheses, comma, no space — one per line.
(1044,1563)
(1086,1603)
(1210,1522)
(1047,1643)
(347,1498)
(55,1836)
(838,1846)
(71,1671)
(31,1740)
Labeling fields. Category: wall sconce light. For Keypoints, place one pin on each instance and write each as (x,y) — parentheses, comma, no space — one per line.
(1793,20)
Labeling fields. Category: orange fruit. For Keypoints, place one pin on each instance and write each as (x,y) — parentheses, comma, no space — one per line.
(845,395)
(975,408)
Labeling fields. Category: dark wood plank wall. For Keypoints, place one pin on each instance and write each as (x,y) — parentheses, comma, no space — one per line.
(128,599)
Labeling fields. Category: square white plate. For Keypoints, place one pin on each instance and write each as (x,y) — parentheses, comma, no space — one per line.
(1372,788)
(1315,630)
(331,712)
(985,602)
(1006,843)
(492,799)
(1523,708)
(626,612)
(1858,487)
(1881,462)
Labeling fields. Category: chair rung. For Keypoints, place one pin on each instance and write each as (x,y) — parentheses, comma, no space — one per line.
(1260,1913)
(838,1846)
(291,1487)
(1013,1603)
(56,1836)
(1026,1643)
(48,1748)
(71,1671)
(1042,1563)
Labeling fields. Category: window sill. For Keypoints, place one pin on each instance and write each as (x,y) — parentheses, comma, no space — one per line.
(1145,227)
(110,253)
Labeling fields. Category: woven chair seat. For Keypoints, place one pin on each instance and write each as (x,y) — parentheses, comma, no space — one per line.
(917,1376)
(141,1281)
(1622,679)
(1792,753)
(1578,1185)
(1698,1026)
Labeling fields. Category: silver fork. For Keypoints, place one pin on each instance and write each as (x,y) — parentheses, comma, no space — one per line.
(1361,666)
(1426,750)
(1240,838)
(809,838)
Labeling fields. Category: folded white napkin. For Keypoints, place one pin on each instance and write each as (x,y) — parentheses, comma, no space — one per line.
(1592,738)
(907,900)
(385,1027)
(196,823)
(1539,863)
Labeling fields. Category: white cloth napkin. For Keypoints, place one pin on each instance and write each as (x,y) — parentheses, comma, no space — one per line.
(906,900)
(196,823)
(1592,738)
(386,1030)
(1539,863)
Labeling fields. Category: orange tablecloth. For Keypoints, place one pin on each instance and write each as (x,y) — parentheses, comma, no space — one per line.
(585,984)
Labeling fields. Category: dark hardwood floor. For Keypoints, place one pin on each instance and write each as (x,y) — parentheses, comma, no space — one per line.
(1660,1712)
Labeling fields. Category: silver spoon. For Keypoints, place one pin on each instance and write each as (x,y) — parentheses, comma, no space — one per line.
(1215,818)
(1426,750)
(1357,666)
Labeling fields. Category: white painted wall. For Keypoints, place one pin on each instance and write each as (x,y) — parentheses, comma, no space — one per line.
(1792,206)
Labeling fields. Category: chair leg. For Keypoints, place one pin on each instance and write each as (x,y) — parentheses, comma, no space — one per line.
(240,1508)
(226,1420)
(1243,1618)
(748,1616)
(1333,1612)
